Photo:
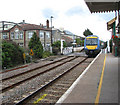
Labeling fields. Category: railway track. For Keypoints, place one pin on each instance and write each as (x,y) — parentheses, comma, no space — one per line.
(15,92)
(56,87)
(24,72)
(11,82)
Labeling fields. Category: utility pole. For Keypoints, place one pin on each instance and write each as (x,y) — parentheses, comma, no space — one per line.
(51,34)
(51,30)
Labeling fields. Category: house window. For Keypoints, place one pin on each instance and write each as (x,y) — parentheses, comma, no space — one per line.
(5,36)
(21,35)
(12,35)
(53,39)
(41,34)
(21,44)
(48,45)
(16,35)
(43,45)
(30,34)
(48,34)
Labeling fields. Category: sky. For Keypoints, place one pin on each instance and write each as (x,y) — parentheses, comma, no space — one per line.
(72,15)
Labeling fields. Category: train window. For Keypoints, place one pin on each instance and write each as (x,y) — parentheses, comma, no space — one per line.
(91,41)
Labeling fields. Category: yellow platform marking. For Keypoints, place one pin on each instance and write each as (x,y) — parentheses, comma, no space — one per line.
(35,102)
(100,84)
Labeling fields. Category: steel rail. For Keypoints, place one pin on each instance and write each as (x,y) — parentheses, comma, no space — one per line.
(18,83)
(17,68)
(4,79)
(21,102)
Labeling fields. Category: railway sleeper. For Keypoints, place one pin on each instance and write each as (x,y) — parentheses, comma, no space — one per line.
(58,88)
(52,96)
(47,101)
(63,85)
(54,92)
(65,82)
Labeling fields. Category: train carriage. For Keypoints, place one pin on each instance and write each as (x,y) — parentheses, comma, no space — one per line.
(92,45)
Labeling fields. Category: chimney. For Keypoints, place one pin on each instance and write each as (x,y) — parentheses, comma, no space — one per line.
(42,25)
(23,21)
(47,23)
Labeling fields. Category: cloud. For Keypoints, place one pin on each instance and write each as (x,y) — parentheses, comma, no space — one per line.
(77,10)
(72,15)
(107,16)
(48,12)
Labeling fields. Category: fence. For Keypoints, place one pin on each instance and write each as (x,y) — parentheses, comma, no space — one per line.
(67,50)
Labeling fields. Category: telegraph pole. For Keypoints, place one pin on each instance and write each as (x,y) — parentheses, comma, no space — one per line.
(51,30)
(51,34)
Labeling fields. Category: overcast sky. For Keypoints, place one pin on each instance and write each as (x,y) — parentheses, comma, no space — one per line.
(72,15)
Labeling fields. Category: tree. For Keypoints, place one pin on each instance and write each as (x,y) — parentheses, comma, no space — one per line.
(36,46)
(58,44)
(12,54)
(78,41)
(87,32)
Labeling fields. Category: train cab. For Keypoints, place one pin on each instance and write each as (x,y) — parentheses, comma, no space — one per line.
(92,45)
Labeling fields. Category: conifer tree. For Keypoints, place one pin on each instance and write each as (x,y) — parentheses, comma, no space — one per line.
(36,46)
(87,32)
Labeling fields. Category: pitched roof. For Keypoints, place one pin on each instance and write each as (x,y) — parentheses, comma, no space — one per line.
(29,26)
(67,39)
(32,27)
(68,32)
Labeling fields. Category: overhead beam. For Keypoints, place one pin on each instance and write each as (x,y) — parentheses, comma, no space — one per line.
(103,6)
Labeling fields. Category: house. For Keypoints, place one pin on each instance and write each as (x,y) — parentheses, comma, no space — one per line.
(66,35)
(56,34)
(21,33)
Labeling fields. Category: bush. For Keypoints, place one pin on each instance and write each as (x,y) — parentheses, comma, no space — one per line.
(12,54)
(27,59)
(46,54)
(56,46)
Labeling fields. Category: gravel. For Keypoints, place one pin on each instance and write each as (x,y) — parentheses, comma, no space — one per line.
(27,87)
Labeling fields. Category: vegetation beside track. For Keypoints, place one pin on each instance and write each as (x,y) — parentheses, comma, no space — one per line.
(12,54)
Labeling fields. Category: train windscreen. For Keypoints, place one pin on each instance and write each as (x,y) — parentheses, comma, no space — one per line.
(91,41)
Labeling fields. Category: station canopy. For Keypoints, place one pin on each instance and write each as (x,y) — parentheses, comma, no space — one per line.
(103,5)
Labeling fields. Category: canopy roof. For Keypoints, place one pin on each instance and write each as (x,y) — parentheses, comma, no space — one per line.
(103,5)
(109,24)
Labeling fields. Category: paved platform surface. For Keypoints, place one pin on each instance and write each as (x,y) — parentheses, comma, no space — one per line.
(85,88)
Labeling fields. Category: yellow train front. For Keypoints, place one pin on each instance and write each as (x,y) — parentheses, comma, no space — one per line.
(92,45)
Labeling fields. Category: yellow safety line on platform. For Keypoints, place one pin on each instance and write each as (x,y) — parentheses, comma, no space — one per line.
(100,84)
(35,102)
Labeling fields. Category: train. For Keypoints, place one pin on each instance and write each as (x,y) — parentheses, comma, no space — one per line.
(92,45)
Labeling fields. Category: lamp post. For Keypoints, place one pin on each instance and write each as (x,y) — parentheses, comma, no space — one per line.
(51,34)
(51,31)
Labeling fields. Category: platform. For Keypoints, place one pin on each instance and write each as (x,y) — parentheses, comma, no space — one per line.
(99,80)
